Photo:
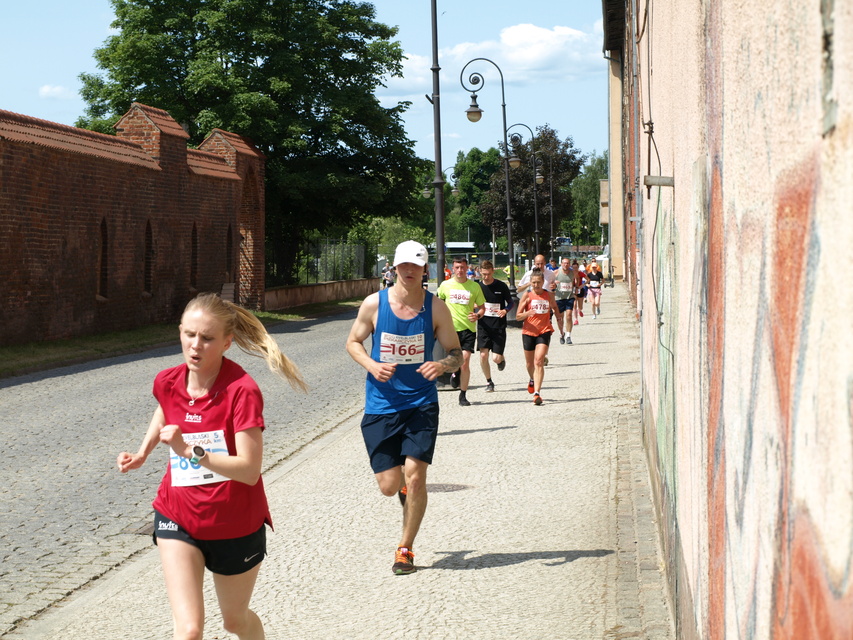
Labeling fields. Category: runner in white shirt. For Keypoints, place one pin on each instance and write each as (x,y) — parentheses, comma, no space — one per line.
(550,276)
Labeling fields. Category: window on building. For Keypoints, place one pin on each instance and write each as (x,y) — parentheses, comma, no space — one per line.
(148,285)
(194,258)
(103,261)
(229,252)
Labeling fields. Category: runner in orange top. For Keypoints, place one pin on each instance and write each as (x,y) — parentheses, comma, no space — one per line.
(535,309)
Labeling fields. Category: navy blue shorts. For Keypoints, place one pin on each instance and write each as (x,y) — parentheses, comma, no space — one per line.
(226,557)
(568,303)
(391,437)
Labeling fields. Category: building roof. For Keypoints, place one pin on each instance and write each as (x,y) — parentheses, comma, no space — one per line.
(205,163)
(613,14)
(27,130)
(161,119)
(240,144)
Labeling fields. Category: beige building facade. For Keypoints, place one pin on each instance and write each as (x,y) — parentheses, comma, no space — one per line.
(731,176)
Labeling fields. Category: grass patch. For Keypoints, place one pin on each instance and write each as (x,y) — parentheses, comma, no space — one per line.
(38,356)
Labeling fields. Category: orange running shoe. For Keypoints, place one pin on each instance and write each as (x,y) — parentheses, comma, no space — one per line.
(404,561)
(530,387)
(537,399)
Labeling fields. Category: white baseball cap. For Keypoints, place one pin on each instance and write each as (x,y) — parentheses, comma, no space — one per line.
(411,251)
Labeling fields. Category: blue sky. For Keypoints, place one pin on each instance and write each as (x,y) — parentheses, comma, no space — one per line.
(549,53)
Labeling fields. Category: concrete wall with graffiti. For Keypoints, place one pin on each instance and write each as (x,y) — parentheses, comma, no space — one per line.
(747,306)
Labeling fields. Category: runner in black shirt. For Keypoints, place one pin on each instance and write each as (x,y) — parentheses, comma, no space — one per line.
(491,329)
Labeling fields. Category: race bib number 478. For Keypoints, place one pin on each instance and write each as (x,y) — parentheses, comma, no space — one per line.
(540,307)
(401,349)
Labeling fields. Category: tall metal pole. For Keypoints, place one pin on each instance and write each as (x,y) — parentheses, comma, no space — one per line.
(438,179)
(516,142)
(475,79)
(551,204)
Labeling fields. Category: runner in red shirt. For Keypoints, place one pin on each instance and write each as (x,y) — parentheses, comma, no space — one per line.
(211,509)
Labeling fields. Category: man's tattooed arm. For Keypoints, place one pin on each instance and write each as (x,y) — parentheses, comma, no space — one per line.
(453,360)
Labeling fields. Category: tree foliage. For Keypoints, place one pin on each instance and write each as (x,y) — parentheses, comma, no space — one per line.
(586,195)
(470,179)
(297,77)
(559,162)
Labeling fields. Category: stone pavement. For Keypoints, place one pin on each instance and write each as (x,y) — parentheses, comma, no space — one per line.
(539,524)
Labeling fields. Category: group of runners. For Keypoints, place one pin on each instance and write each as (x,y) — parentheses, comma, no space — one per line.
(211,510)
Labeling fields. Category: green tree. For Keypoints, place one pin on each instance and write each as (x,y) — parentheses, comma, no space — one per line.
(559,162)
(583,226)
(470,179)
(297,77)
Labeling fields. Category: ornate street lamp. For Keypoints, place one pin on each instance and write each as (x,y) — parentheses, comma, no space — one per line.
(538,178)
(476,81)
(455,181)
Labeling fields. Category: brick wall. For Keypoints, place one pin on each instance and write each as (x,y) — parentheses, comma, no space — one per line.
(166,213)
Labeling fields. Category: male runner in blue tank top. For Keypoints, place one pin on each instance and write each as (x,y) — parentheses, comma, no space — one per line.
(400,423)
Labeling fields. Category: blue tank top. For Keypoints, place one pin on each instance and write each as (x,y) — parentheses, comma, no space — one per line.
(410,343)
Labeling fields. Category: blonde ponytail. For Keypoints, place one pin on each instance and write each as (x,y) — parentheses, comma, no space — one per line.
(250,335)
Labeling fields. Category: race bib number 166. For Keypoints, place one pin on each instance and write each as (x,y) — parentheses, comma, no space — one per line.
(401,349)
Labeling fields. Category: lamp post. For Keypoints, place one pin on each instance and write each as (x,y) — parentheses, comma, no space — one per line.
(476,81)
(438,180)
(551,203)
(538,178)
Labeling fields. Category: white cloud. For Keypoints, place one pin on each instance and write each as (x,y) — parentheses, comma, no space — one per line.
(526,53)
(50,91)
(529,54)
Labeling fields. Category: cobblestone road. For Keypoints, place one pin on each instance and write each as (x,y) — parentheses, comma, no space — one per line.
(539,525)
(68,516)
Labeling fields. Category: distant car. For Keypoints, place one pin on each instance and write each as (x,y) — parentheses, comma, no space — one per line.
(560,241)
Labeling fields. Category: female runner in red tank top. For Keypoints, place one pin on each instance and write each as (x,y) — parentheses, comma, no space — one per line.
(211,509)
(535,309)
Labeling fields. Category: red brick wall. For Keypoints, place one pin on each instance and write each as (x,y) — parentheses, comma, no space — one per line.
(57,185)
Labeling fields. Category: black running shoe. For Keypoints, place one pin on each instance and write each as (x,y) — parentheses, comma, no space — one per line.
(463,401)
(454,380)
(490,387)
(401,494)
(502,365)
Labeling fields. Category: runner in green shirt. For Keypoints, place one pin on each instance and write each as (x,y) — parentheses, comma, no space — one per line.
(466,302)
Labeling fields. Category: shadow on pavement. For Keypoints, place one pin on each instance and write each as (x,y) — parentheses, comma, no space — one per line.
(458,560)
(561,365)
(465,432)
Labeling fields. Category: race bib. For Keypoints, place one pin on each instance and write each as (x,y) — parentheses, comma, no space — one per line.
(565,286)
(401,349)
(540,306)
(186,474)
(459,296)
(595,284)
(492,309)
